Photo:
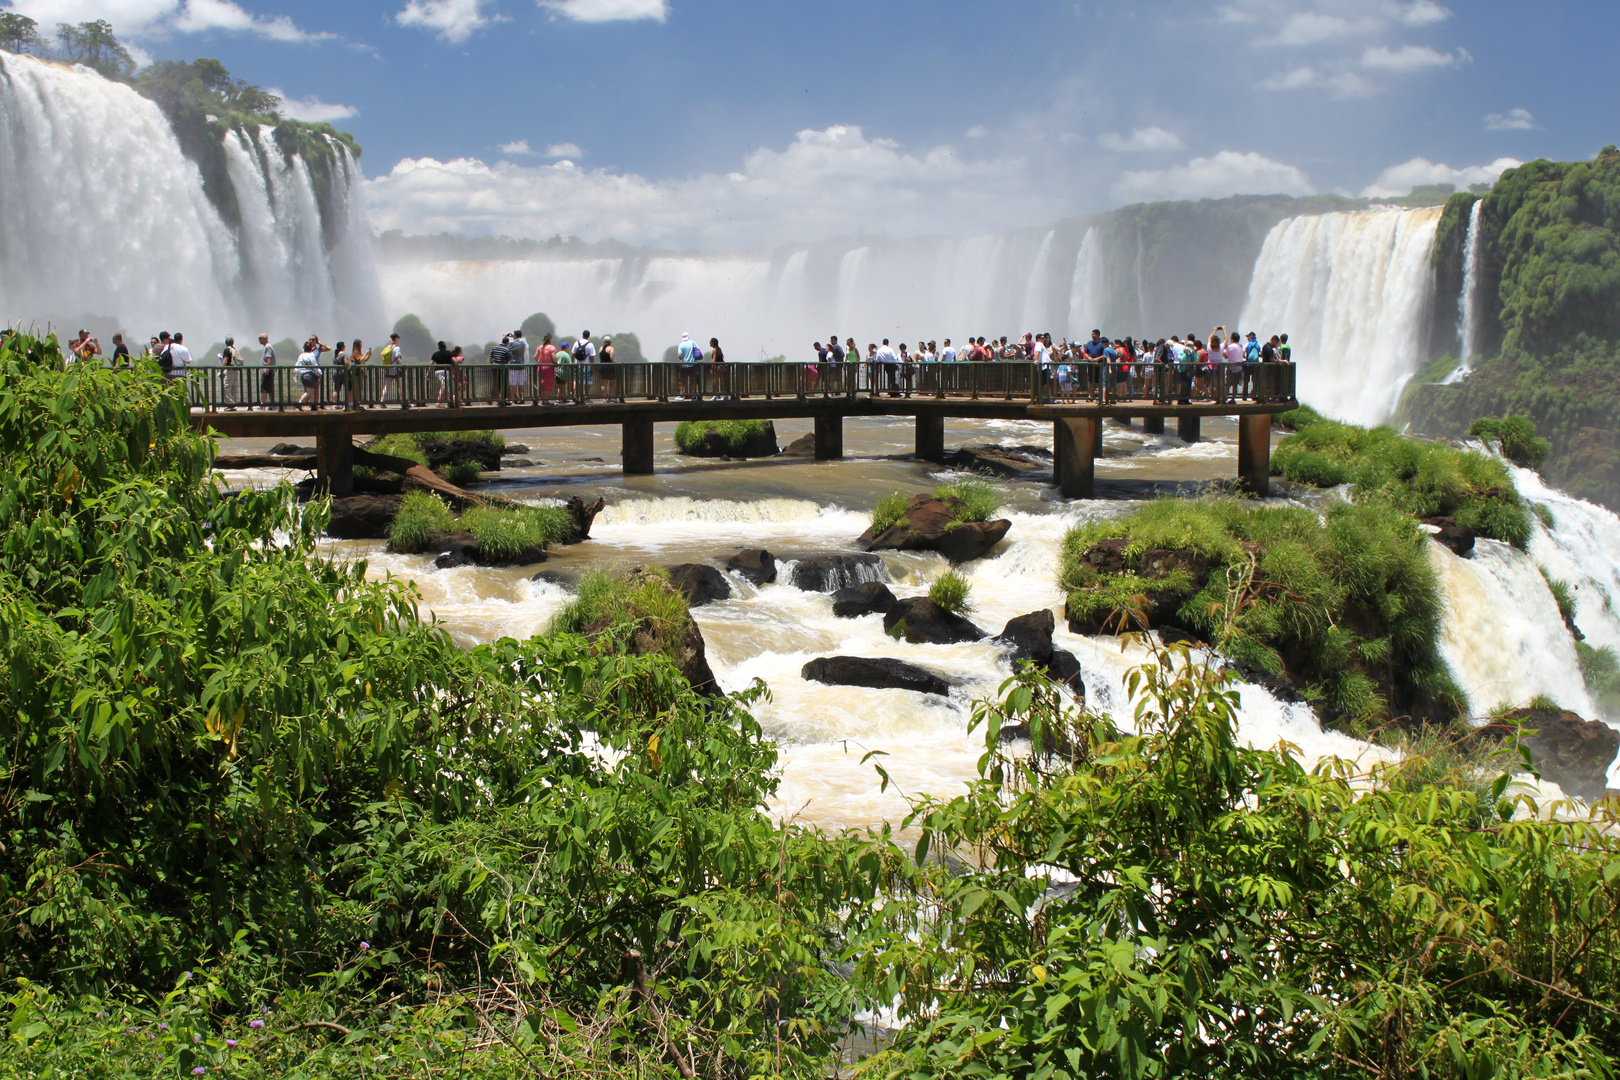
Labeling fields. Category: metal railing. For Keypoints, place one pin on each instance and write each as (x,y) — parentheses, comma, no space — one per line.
(216,389)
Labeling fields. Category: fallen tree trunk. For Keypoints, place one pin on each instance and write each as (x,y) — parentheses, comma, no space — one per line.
(421,478)
(262,461)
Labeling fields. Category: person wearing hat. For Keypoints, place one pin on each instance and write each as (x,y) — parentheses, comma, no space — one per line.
(518,368)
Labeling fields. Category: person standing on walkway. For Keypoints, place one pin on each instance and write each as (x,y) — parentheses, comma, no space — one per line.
(608,358)
(358,388)
(547,357)
(722,377)
(179,356)
(519,364)
(230,360)
(393,365)
(443,367)
(308,367)
(120,353)
(500,355)
(267,376)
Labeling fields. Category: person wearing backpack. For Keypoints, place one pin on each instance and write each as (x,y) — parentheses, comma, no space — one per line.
(393,364)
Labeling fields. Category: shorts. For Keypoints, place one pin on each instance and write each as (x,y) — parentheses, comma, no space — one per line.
(310,379)
(267,381)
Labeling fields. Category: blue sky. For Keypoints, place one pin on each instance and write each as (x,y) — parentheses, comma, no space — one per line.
(724,124)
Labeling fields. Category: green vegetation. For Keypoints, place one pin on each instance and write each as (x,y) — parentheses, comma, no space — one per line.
(403,445)
(621,604)
(1294,419)
(970,498)
(536,327)
(415,339)
(504,533)
(736,435)
(1544,514)
(1601,669)
(1561,593)
(889,512)
(1348,608)
(421,516)
(1516,436)
(462,473)
(1425,479)
(953,593)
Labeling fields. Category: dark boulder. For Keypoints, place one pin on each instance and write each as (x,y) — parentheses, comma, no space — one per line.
(287,449)
(520,463)
(867,598)
(803,446)
(1459,538)
(1064,669)
(1030,636)
(1573,753)
(829,573)
(511,449)
(550,577)
(878,673)
(584,515)
(756,565)
(1280,687)
(443,453)
(759,444)
(449,560)
(930,525)
(363,517)
(922,622)
(702,584)
(1007,462)
(1174,635)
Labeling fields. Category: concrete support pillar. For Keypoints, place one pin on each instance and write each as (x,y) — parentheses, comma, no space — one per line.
(1076,464)
(1188,428)
(637,448)
(334,464)
(1153,425)
(829,438)
(1254,453)
(931,437)
(1096,439)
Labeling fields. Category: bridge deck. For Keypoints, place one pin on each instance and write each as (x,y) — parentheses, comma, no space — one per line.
(1075,398)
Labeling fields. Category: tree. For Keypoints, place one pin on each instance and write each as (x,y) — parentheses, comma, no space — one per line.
(93,45)
(417,341)
(537,326)
(19,33)
(204,85)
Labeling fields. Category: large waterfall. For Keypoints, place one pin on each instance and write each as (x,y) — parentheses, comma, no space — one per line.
(102,215)
(1353,291)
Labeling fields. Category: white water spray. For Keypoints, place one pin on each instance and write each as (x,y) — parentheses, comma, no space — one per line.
(1352,290)
(1468,302)
(1086,288)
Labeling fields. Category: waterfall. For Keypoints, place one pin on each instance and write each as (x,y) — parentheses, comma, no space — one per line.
(102,214)
(1468,302)
(849,278)
(1352,292)
(1085,288)
(1034,319)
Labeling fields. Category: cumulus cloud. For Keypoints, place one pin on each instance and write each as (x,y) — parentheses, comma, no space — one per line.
(1512,120)
(1400,179)
(564,150)
(455,20)
(1409,58)
(312,109)
(609,10)
(1425,13)
(1314,27)
(160,18)
(825,183)
(1146,139)
(520,148)
(1343,84)
(1227,173)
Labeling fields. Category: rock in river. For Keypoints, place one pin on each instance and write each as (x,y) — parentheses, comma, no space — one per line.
(829,573)
(930,524)
(922,622)
(701,583)
(867,598)
(756,565)
(879,673)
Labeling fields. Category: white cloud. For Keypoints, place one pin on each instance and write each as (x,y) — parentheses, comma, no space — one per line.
(1409,58)
(1314,27)
(1344,84)
(1425,13)
(1148,139)
(158,18)
(516,149)
(977,131)
(1400,179)
(564,150)
(825,183)
(609,10)
(1227,173)
(455,20)
(1512,120)
(313,109)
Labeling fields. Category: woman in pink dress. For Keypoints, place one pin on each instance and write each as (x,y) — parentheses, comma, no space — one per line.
(547,359)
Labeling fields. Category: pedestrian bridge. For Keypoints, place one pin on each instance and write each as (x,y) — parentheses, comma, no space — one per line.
(334,404)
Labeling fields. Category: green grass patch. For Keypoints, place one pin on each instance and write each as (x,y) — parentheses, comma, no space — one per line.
(624,601)
(400,446)
(1294,419)
(1424,479)
(1515,436)
(953,593)
(735,434)
(1562,593)
(1601,669)
(507,533)
(889,512)
(420,516)
(1544,514)
(462,473)
(971,498)
(1348,607)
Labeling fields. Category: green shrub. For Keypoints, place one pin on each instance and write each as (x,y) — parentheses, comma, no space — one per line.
(1516,436)
(735,434)
(971,498)
(400,446)
(624,600)
(505,533)
(889,512)
(953,593)
(1295,419)
(1425,479)
(1562,593)
(462,473)
(1544,514)
(1601,669)
(420,516)
(1544,703)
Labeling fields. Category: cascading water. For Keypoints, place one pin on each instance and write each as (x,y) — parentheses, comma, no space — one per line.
(1352,290)
(1468,302)
(102,214)
(1086,288)
(1034,314)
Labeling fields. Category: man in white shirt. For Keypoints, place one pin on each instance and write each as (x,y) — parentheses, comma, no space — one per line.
(308,368)
(890,361)
(947,354)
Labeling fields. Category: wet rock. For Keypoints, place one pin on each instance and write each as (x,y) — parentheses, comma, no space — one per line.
(1174,635)
(867,598)
(1459,538)
(930,525)
(756,565)
(922,622)
(878,673)
(1064,669)
(1157,563)
(759,444)
(519,463)
(287,449)
(550,577)
(803,446)
(452,559)
(584,515)
(363,517)
(1572,752)
(682,641)
(1280,687)
(1030,636)
(702,584)
(1009,463)
(514,448)
(829,573)
(1107,556)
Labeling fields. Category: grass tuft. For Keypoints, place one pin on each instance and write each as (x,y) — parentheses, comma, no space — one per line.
(736,434)
(953,593)
(1562,593)
(889,512)
(1515,436)
(623,601)
(420,516)
(973,499)
(508,533)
